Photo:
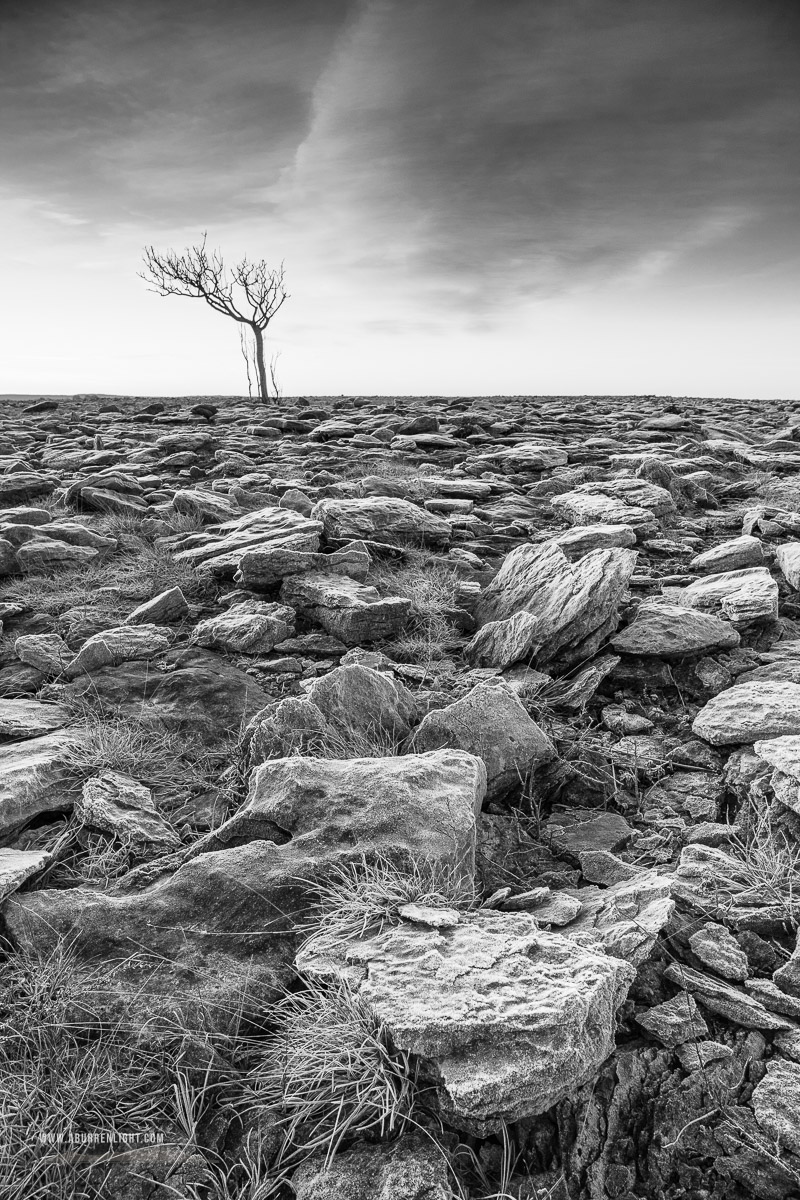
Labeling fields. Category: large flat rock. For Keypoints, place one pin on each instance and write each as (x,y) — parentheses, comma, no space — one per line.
(750,712)
(220,929)
(511,1019)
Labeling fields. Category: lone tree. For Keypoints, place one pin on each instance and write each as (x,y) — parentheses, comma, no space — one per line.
(251,294)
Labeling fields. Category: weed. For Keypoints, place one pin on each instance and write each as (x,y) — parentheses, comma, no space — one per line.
(359,898)
(56,1083)
(432,589)
(764,862)
(331,1073)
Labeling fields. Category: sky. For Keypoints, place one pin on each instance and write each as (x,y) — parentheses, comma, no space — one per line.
(470,197)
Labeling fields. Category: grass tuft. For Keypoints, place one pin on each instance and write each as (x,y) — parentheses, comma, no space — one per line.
(360,898)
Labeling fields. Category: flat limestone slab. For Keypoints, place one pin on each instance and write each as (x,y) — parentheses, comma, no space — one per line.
(512,1018)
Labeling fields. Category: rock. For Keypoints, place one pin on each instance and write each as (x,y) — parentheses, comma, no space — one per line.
(573,831)
(787,977)
(733,555)
(47,555)
(218,550)
(773,999)
(618,720)
(776,1103)
(17,866)
(220,930)
(624,919)
(670,631)
(724,999)
(260,569)
(601,866)
(122,806)
(291,726)
(787,557)
(426,804)
(358,699)
(750,712)
(577,542)
(205,505)
(34,779)
(512,1019)
(108,500)
(675,1021)
(494,724)
(717,948)
(741,596)
(45,652)
(583,509)
(196,690)
(527,456)
(350,611)
(125,643)
(22,486)
(165,609)
(249,627)
(576,604)
(29,718)
(696,1056)
(381,519)
(410,1168)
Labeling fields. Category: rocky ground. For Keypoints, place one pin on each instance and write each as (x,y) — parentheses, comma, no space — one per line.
(400,799)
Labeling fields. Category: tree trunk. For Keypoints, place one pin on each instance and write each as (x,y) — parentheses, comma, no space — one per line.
(262,370)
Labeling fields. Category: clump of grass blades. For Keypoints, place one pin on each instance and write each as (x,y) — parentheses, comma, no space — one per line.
(763,863)
(433,591)
(55,1082)
(331,1073)
(360,898)
(139,572)
(346,742)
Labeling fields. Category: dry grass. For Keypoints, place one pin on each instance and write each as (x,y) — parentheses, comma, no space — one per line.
(433,590)
(331,1073)
(359,899)
(139,572)
(56,1083)
(764,862)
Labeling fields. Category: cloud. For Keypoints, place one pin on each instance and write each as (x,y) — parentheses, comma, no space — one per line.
(488,153)
(146,110)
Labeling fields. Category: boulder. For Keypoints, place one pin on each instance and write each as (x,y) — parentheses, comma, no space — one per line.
(362,700)
(665,630)
(260,569)
(17,866)
(674,1022)
(193,689)
(732,555)
(410,1168)
(381,519)
(34,779)
(350,611)
(218,550)
(46,555)
(787,557)
(776,1103)
(165,609)
(28,719)
(509,1018)
(249,627)
(742,596)
(217,934)
(124,643)
(122,806)
(576,604)
(750,712)
(492,722)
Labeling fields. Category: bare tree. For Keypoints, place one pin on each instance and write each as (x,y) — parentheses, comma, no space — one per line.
(251,294)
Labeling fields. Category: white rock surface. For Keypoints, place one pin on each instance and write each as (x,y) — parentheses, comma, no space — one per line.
(750,712)
(513,1018)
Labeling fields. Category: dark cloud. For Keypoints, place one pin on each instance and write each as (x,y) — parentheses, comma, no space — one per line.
(154,110)
(517,147)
